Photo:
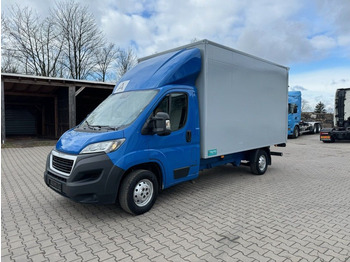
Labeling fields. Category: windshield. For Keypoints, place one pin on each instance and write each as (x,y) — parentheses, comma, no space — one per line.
(119,110)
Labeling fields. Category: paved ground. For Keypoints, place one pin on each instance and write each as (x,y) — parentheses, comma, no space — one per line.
(298,211)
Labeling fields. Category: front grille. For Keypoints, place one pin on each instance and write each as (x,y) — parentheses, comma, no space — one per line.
(62,164)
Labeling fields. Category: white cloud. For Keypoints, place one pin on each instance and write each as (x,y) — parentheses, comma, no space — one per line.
(322,42)
(41,7)
(122,29)
(336,13)
(297,88)
(275,30)
(344,40)
(321,85)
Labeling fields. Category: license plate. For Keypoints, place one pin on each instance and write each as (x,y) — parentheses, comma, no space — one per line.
(55,185)
(326,137)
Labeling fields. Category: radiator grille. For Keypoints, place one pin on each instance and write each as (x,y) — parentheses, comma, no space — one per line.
(62,164)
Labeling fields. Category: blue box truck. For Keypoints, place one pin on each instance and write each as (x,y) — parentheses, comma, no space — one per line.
(175,113)
(296,126)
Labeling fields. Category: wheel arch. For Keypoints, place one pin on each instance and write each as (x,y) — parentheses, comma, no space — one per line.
(153,167)
(266,149)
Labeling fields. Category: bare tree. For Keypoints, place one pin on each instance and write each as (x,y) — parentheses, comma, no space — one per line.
(81,36)
(105,57)
(126,61)
(305,106)
(66,44)
(35,43)
(9,64)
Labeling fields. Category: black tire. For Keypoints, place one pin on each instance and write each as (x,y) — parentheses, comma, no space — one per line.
(296,132)
(314,130)
(138,192)
(258,162)
(318,128)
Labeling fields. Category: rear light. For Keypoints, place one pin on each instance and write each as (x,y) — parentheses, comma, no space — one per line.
(325,136)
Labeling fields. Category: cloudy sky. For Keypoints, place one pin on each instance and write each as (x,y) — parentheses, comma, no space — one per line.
(311,37)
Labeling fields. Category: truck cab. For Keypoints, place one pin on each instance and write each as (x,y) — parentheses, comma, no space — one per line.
(296,126)
(341,130)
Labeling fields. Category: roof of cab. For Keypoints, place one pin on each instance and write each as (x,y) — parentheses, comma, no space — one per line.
(179,67)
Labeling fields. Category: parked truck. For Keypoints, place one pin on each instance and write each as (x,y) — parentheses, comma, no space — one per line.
(177,112)
(341,130)
(296,126)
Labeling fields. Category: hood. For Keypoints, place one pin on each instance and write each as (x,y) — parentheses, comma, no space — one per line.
(72,142)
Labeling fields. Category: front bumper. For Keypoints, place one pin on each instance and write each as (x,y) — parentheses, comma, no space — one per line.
(93,179)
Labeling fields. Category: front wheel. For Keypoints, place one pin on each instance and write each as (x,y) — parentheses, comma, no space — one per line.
(258,162)
(138,192)
(296,132)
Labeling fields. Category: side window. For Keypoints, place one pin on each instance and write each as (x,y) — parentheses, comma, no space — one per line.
(178,111)
(292,109)
(176,106)
(163,106)
(295,109)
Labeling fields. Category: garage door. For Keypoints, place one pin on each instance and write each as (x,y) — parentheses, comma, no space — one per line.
(20,121)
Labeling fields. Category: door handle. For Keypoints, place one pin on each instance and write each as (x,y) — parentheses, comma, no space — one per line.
(188,136)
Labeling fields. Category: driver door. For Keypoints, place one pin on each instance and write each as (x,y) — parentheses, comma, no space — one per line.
(181,146)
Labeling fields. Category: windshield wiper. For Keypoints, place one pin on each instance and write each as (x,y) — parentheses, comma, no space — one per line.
(94,127)
(105,127)
(87,123)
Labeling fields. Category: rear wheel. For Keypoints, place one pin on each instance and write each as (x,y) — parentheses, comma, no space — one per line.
(138,192)
(258,162)
(318,129)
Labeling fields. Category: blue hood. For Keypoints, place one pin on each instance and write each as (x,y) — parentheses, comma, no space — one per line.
(72,142)
(179,67)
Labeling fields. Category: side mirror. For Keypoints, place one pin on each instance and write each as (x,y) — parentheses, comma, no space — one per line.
(159,124)
(162,125)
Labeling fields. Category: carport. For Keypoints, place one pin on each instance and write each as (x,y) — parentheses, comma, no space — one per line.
(46,106)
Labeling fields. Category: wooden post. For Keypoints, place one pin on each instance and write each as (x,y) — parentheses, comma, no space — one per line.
(56,117)
(43,120)
(71,106)
(3,129)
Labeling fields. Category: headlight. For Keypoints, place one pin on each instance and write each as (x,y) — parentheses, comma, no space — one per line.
(106,146)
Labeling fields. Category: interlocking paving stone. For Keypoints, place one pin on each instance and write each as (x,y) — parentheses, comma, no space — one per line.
(298,211)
